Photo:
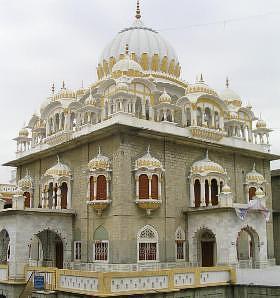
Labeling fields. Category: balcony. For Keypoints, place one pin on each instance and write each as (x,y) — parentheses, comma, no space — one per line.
(205,133)
(99,205)
(107,284)
(58,138)
(148,204)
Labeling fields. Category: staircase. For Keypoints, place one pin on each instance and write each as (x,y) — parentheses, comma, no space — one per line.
(28,289)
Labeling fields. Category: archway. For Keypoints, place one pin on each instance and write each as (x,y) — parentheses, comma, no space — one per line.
(206,248)
(247,248)
(4,247)
(52,247)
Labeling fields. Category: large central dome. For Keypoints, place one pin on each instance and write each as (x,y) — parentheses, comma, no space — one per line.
(146,46)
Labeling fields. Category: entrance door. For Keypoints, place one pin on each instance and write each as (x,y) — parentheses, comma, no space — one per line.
(207,253)
(59,254)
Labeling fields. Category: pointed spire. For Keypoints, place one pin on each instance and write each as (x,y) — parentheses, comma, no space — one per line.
(149,149)
(207,155)
(201,78)
(82,84)
(63,85)
(58,159)
(126,49)
(227,82)
(138,11)
(53,88)
(254,167)
(99,150)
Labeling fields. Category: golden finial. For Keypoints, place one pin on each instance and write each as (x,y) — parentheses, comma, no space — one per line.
(227,82)
(149,149)
(53,88)
(126,49)
(138,11)
(201,78)
(63,85)
(99,150)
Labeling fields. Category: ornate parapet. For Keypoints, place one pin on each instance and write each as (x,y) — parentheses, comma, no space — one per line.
(99,205)
(148,204)
(58,138)
(206,133)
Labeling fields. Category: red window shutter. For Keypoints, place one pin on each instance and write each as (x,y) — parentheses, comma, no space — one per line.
(101,188)
(155,187)
(27,199)
(64,190)
(252,193)
(197,193)
(143,187)
(91,189)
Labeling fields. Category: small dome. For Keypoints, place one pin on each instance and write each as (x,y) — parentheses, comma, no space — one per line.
(261,124)
(200,87)
(100,162)
(148,162)
(254,177)
(226,189)
(59,170)
(206,166)
(26,182)
(127,66)
(90,101)
(259,193)
(230,96)
(165,97)
(23,132)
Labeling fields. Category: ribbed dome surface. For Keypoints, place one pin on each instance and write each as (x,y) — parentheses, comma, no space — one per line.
(140,39)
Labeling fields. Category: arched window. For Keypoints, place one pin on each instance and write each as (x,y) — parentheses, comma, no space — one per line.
(217,120)
(169,116)
(208,117)
(91,188)
(143,187)
(206,192)
(147,244)
(64,190)
(50,194)
(56,122)
(197,193)
(199,117)
(252,193)
(155,187)
(101,188)
(214,192)
(188,117)
(27,199)
(147,109)
(101,245)
(180,241)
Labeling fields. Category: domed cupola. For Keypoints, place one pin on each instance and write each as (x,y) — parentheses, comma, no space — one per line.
(200,87)
(165,97)
(254,177)
(58,170)
(23,133)
(148,162)
(147,47)
(127,67)
(26,182)
(100,162)
(230,96)
(205,166)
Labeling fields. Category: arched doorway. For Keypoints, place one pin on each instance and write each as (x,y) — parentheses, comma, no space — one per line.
(206,248)
(52,247)
(4,247)
(247,248)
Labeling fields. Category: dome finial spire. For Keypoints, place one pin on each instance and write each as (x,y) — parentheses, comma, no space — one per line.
(126,49)
(138,11)
(227,82)
(53,88)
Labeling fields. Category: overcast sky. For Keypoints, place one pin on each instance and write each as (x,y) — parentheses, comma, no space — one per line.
(45,41)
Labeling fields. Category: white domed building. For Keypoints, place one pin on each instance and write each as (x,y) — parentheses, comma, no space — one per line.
(164,213)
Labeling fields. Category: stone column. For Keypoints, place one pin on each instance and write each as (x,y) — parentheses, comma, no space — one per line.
(107,188)
(94,187)
(150,187)
(159,186)
(192,203)
(210,193)
(58,198)
(69,196)
(202,192)
(137,187)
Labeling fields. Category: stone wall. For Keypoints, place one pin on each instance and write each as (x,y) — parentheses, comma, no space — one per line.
(123,218)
